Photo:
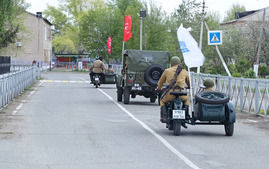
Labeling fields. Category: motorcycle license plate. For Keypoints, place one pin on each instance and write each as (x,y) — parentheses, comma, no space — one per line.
(178,114)
(96,79)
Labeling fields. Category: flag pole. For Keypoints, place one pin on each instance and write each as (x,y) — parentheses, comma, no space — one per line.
(191,101)
(122,53)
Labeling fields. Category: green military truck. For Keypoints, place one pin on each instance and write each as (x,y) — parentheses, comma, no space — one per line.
(141,72)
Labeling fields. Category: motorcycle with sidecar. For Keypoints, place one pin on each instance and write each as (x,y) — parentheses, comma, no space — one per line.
(108,78)
(210,108)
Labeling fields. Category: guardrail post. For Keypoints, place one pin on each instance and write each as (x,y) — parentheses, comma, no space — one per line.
(218,82)
(200,80)
(230,86)
(4,92)
(1,94)
(257,107)
(241,94)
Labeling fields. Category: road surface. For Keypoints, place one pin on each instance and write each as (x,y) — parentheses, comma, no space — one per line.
(63,122)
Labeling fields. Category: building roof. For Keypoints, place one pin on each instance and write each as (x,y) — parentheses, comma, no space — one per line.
(239,15)
(71,55)
(255,15)
(45,19)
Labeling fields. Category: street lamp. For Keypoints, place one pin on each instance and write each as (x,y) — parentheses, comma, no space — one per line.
(38,15)
(142,15)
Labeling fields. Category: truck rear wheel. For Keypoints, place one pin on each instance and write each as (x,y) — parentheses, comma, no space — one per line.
(126,94)
(119,93)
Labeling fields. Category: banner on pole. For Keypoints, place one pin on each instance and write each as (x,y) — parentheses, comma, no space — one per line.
(109,45)
(127,28)
(192,54)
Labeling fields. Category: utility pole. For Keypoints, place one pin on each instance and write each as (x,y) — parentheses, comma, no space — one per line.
(201,33)
(256,67)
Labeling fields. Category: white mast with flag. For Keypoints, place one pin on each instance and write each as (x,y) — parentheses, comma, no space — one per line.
(192,54)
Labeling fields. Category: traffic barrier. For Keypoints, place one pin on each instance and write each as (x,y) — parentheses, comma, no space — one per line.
(14,83)
(248,95)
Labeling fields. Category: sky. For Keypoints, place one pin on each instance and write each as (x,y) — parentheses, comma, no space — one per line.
(220,6)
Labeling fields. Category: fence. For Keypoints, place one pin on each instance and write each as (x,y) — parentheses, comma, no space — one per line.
(12,84)
(250,95)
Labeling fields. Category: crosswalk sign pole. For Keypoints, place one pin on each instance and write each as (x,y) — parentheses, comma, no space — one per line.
(215,38)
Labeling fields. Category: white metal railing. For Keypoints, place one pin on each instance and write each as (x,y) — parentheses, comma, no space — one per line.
(14,83)
(250,95)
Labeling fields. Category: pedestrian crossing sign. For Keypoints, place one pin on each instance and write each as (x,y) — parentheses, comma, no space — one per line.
(215,37)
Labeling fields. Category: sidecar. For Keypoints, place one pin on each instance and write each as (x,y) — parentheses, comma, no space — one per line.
(109,78)
(214,108)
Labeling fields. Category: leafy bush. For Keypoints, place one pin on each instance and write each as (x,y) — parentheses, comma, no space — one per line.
(263,70)
(236,75)
(249,74)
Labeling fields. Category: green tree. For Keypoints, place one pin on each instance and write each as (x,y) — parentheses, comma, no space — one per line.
(108,20)
(9,20)
(187,13)
(230,14)
(67,21)
(57,17)
(94,30)
(156,29)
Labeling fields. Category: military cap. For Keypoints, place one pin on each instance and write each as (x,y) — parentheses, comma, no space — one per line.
(175,61)
(208,83)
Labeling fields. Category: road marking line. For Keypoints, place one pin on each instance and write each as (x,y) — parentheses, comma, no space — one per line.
(65,81)
(166,143)
(24,101)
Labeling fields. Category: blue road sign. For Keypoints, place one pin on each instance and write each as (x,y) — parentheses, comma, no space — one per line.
(215,37)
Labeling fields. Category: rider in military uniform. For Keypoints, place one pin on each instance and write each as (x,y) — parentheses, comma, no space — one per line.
(181,80)
(110,69)
(209,83)
(98,66)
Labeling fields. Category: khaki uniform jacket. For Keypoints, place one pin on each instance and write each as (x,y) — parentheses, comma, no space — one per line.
(210,89)
(167,77)
(98,66)
(110,70)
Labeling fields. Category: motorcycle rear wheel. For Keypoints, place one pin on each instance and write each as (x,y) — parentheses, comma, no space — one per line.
(176,127)
(96,85)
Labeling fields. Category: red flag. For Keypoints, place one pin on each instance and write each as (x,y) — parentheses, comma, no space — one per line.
(109,44)
(127,28)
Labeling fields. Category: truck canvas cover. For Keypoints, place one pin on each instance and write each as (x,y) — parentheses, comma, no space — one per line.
(140,60)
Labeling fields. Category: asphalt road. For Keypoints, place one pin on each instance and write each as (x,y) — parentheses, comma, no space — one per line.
(63,122)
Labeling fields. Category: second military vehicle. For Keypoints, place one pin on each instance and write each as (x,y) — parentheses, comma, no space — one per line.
(141,72)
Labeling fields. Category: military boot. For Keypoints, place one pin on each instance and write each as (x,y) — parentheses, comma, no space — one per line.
(163,114)
(188,117)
